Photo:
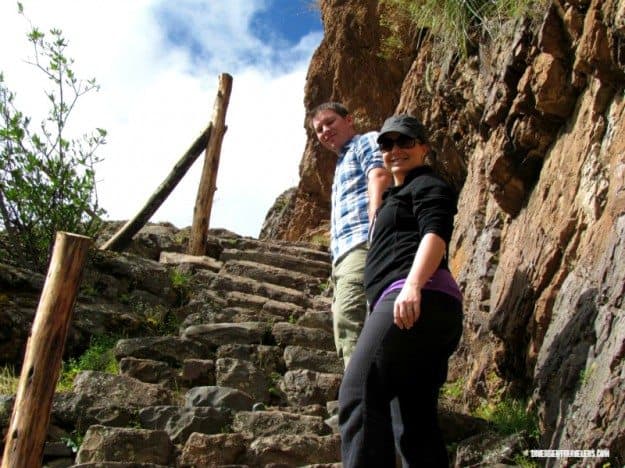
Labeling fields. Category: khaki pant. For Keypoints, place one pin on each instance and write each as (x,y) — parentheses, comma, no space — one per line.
(349,305)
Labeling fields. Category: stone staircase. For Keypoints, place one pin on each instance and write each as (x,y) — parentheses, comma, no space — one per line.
(250,379)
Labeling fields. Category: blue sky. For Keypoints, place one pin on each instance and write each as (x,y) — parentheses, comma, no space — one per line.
(158,63)
(288,20)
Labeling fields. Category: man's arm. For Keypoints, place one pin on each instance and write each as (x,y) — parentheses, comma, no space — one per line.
(378,180)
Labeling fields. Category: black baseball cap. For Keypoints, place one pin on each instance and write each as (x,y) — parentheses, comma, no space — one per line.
(406,125)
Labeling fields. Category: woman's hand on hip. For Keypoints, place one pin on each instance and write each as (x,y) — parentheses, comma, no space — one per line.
(407,306)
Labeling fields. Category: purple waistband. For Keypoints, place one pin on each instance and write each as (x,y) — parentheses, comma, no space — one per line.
(441,281)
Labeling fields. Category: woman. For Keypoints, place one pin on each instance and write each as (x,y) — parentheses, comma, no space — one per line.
(400,360)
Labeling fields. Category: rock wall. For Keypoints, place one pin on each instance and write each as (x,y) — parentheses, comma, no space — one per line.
(530,128)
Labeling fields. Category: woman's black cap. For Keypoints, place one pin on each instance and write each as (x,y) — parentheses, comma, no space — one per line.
(406,125)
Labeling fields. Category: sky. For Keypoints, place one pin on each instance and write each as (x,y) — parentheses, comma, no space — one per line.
(158,63)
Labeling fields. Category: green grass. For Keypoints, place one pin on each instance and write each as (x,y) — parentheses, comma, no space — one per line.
(454,390)
(162,322)
(8,381)
(98,357)
(320,240)
(181,282)
(179,279)
(457,25)
(274,389)
(510,416)
(586,373)
(524,461)
(74,440)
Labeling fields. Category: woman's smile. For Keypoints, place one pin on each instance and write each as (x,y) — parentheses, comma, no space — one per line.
(400,161)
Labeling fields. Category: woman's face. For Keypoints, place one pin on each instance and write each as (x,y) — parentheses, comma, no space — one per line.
(402,154)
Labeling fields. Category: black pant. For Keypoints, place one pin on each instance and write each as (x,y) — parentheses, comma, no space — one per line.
(398,372)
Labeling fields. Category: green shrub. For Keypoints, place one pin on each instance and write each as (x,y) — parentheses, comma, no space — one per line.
(47,181)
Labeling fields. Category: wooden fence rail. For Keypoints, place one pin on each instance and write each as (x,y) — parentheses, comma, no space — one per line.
(210,140)
(122,238)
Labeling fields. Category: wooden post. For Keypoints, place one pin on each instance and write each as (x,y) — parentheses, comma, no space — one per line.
(44,351)
(208,181)
(122,238)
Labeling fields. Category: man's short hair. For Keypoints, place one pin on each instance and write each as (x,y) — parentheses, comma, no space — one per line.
(337,107)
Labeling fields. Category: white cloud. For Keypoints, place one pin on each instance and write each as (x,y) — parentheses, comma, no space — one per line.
(158,65)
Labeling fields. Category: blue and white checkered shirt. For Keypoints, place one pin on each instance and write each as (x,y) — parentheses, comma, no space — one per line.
(349,218)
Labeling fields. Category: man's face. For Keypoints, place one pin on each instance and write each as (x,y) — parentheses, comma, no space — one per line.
(332,130)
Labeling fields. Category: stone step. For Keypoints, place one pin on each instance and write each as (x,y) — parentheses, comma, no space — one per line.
(275,275)
(316,319)
(302,250)
(196,261)
(225,282)
(230,315)
(243,375)
(179,422)
(266,357)
(121,444)
(315,268)
(287,334)
(214,335)
(170,349)
(266,423)
(299,357)
(321,302)
(306,387)
(237,449)
(191,373)
(241,300)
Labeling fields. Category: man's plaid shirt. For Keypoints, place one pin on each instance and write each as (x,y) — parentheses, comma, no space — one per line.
(349,218)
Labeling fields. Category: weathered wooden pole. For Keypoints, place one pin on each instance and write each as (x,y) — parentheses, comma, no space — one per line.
(44,351)
(122,238)
(208,181)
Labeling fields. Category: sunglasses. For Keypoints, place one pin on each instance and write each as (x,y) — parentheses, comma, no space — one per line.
(402,141)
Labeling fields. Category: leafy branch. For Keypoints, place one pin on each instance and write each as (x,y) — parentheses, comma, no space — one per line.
(47,180)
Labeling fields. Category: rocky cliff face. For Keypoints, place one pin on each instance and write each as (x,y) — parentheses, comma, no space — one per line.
(531,129)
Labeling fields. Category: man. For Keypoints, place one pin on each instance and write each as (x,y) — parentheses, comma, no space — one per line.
(359,180)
